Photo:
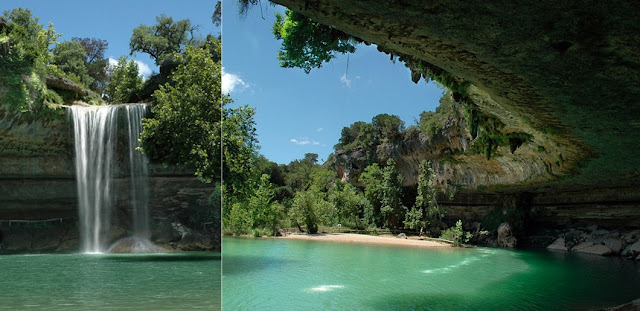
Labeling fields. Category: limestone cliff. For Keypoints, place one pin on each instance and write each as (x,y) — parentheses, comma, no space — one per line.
(565,73)
(37,182)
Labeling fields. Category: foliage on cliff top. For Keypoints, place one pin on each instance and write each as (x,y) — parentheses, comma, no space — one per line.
(24,53)
(185,127)
(124,81)
(163,39)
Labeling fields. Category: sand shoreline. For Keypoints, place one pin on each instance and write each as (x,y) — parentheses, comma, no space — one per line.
(364,239)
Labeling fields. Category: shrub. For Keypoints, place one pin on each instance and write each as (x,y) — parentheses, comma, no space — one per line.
(456,234)
(238,221)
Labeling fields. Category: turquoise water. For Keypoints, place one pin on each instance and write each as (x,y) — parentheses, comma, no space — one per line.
(177,281)
(268,274)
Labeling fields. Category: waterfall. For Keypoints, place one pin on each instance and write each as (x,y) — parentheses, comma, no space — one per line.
(95,133)
(139,172)
(95,143)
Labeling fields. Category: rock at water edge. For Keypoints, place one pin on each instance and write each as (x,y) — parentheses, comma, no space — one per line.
(632,250)
(630,306)
(558,244)
(505,236)
(614,244)
(597,249)
(581,246)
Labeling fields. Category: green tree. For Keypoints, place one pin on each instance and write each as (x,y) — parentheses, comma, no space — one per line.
(371,178)
(298,172)
(392,210)
(456,234)
(95,61)
(388,127)
(349,135)
(185,128)
(124,81)
(307,44)
(69,56)
(163,39)
(426,210)
(350,205)
(264,212)
(24,53)
(310,209)
(216,17)
(239,151)
(238,221)
(322,179)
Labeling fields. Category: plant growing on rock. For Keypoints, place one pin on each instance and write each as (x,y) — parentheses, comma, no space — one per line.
(307,44)
(24,53)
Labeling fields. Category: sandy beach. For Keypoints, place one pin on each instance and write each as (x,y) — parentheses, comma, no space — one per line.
(365,239)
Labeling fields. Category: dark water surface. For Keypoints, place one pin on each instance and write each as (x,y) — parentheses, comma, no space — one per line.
(268,274)
(176,281)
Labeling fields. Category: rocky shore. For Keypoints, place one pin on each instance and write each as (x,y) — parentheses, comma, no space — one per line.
(598,241)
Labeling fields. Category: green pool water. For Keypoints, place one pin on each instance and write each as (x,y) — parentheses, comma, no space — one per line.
(268,274)
(176,281)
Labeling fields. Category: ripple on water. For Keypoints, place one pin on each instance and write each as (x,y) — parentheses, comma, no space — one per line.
(325,288)
(452,267)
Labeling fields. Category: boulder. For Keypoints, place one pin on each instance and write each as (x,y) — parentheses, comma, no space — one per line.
(614,244)
(401,236)
(558,244)
(575,237)
(505,236)
(632,250)
(630,237)
(597,249)
(582,245)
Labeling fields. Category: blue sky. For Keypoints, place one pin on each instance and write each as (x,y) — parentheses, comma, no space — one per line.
(299,113)
(114,20)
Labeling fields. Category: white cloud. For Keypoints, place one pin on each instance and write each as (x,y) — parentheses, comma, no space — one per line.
(319,129)
(231,81)
(345,80)
(143,70)
(304,141)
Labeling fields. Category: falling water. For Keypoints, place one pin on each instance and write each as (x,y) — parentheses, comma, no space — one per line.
(139,172)
(95,142)
(95,134)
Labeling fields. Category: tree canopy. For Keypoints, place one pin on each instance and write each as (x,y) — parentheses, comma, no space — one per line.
(124,81)
(185,128)
(163,39)
(95,61)
(69,56)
